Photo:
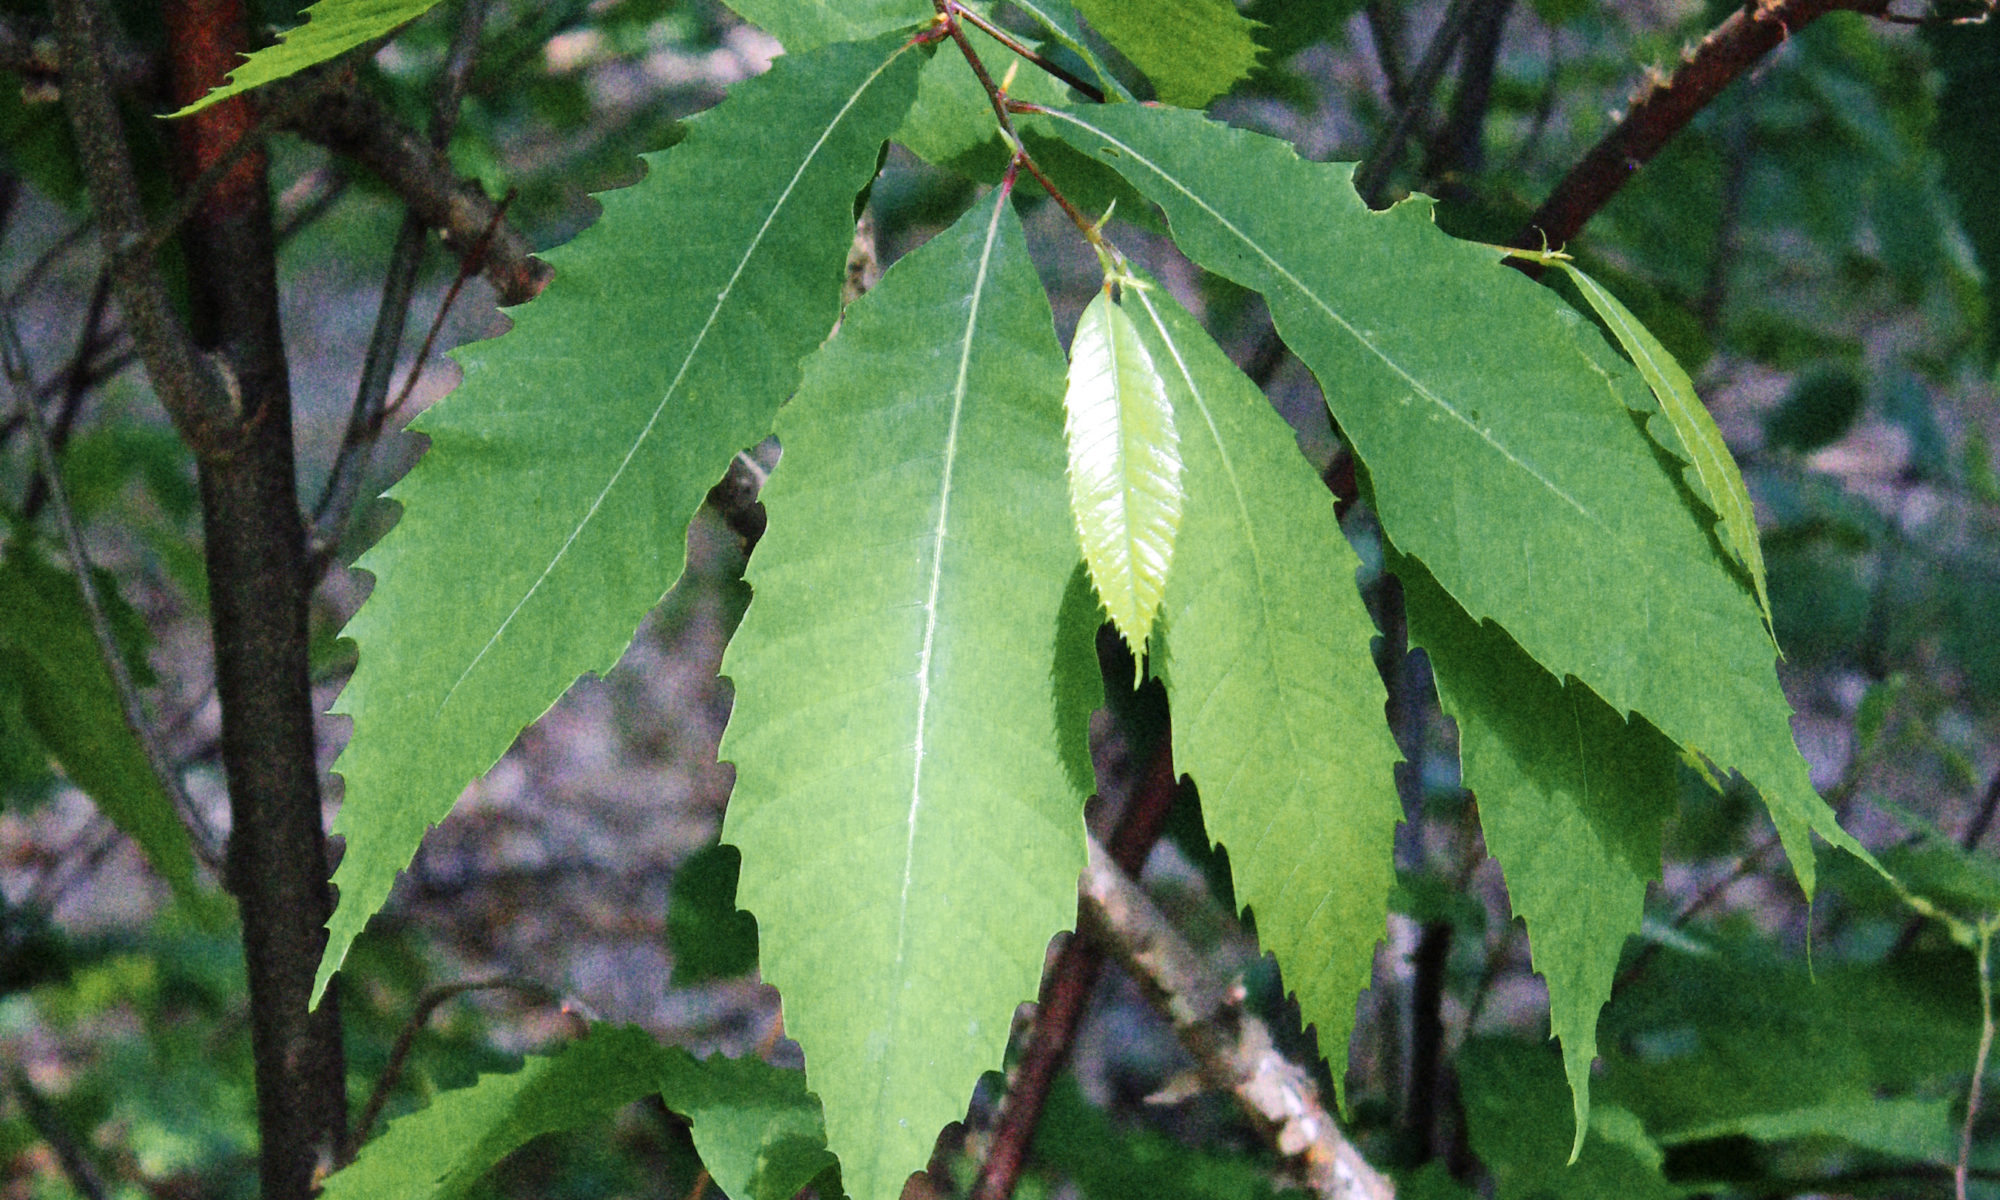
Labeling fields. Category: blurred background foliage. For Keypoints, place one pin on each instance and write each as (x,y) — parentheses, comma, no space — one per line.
(1821,248)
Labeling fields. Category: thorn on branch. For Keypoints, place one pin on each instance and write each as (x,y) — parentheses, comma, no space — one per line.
(1664,106)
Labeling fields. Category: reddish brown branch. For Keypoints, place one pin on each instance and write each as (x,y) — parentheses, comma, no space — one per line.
(253,544)
(1665,106)
(420,1016)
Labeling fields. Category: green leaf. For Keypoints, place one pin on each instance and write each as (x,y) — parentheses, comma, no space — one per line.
(1079,681)
(331,29)
(1818,410)
(551,510)
(710,937)
(1289,26)
(1513,1117)
(1124,467)
(1690,434)
(1572,800)
(51,662)
(804,25)
(1919,1129)
(1494,422)
(1734,1038)
(1277,705)
(1967,141)
(1109,1159)
(442,1150)
(755,1126)
(1059,18)
(756,1129)
(1192,50)
(910,838)
(952,124)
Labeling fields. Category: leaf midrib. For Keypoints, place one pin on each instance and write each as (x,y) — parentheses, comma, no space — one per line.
(1320,303)
(924,654)
(687,360)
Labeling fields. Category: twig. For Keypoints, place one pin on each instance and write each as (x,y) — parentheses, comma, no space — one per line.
(1958,1175)
(188,385)
(192,197)
(1385,30)
(206,843)
(427,1004)
(1666,105)
(364,421)
(948,13)
(27,49)
(309,198)
(49,1127)
(1373,173)
(1545,108)
(82,853)
(1983,819)
(467,267)
(74,380)
(1095,93)
(1235,1048)
(352,122)
(343,481)
(1459,144)
(72,237)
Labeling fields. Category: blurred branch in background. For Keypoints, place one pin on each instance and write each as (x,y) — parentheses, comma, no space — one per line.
(206,842)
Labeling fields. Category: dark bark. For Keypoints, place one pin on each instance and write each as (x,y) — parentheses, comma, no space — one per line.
(259,587)
(1459,147)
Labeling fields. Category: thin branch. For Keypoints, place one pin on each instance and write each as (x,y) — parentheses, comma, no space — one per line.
(948,13)
(1989,802)
(1095,93)
(351,122)
(309,198)
(1373,173)
(196,194)
(1385,30)
(1458,147)
(28,49)
(1978,1084)
(74,383)
(1234,1048)
(43,1119)
(206,843)
(72,237)
(350,462)
(1665,106)
(364,421)
(187,383)
(467,267)
(428,1003)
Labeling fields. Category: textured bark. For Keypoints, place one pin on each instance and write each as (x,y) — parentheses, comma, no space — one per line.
(259,586)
